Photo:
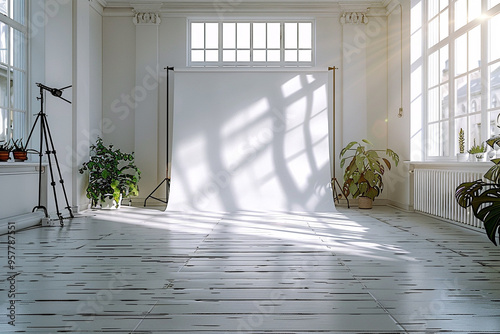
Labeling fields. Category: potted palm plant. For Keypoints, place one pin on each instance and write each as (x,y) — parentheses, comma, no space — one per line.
(113,174)
(364,171)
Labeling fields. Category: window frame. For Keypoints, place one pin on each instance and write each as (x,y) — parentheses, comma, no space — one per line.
(220,63)
(486,111)
(14,130)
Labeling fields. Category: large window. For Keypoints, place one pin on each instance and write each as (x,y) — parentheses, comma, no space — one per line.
(245,43)
(13,69)
(455,59)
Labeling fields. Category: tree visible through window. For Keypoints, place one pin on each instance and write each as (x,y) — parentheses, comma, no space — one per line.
(246,43)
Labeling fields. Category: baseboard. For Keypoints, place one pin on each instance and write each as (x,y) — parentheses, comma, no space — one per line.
(21,222)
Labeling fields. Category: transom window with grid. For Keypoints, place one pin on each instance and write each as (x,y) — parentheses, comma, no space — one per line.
(251,43)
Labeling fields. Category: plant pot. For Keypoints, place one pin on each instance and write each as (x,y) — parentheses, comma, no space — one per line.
(4,155)
(480,157)
(20,155)
(365,202)
(110,203)
(462,157)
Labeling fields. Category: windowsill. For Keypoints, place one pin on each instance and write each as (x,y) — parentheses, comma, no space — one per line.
(18,168)
(450,165)
(251,69)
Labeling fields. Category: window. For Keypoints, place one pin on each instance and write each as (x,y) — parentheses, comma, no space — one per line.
(455,74)
(249,43)
(13,69)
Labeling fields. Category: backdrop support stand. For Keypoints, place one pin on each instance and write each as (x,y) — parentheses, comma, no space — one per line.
(167,178)
(334,181)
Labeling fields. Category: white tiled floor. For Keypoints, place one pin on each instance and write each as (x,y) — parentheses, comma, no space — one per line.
(145,271)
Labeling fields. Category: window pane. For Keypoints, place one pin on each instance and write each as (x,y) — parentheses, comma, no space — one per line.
(229,35)
(474,9)
(18,123)
(18,91)
(493,3)
(433,105)
(273,36)
(259,35)
(494,45)
(443,25)
(433,32)
(212,35)
(4,125)
(460,13)
(460,51)
(443,4)
(197,55)
(197,35)
(445,138)
(475,129)
(18,49)
(416,46)
(4,42)
(291,55)
(229,55)
(243,55)
(433,68)
(433,140)
(433,7)
(444,70)
(461,96)
(494,130)
(3,7)
(305,35)
(474,48)
(273,55)
(445,101)
(305,55)
(259,55)
(494,87)
(243,35)
(475,91)
(416,17)
(18,10)
(212,55)
(291,34)
(4,88)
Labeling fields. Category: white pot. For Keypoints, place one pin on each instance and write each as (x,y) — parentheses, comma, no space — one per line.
(461,157)
(111,204)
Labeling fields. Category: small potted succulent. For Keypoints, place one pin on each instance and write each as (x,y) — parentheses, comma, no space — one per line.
(19,150)
(461,155)
(478,151)
(5,149)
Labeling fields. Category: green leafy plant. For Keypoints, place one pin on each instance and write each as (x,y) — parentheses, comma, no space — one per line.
(365,168)
(484,199)
(461,141)
(111,173)
(475,149)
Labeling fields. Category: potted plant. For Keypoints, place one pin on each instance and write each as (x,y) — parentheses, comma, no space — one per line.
(461,156)
(364,171)
(478,151)
(5,149)
(112,174)
(19,150)
(484,199)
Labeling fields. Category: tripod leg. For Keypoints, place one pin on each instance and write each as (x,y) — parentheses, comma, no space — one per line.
(61,181)
(52,183)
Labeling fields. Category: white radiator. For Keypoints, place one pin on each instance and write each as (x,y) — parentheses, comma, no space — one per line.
(434,193)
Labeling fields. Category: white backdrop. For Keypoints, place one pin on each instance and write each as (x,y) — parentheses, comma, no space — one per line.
(252,141)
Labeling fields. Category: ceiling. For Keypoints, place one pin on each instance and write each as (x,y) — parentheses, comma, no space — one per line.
(115,3)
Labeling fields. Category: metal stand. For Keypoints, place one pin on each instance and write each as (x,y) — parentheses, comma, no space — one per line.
(46,137)
(334,181)
(166,179)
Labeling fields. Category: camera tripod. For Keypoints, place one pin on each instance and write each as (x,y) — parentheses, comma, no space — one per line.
(46,138)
